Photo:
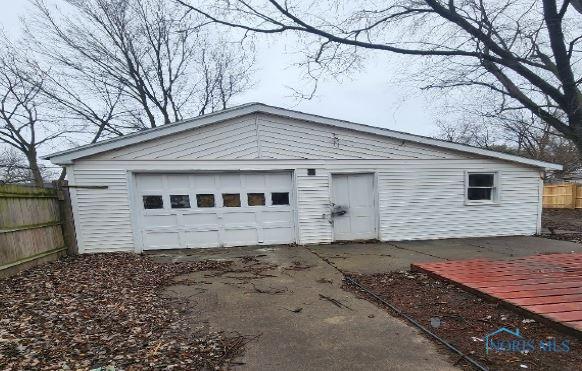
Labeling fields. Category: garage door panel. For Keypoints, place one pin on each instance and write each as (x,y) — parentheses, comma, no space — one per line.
(255,182)
(150,182)
(277,216)
(160,220)
(275,225)
(161,240)
(195,226)
(204,182)
(278,235)
(200,219)
(243,217)
(201,238)
(279,182)
(177,182)
(240,237)
(230,182)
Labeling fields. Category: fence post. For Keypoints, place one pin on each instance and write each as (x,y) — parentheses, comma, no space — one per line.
(66,213)
(574,187)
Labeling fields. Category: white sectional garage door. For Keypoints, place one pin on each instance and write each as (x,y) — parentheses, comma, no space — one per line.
(214,209)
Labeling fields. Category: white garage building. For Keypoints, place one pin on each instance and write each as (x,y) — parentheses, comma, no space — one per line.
(259,175)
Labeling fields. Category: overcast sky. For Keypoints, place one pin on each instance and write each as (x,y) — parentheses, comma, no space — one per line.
(369,97)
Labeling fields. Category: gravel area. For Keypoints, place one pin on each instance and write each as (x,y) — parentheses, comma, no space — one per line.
(95,311)
(463,319)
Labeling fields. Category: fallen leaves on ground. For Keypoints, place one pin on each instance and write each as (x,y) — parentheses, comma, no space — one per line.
(102,310)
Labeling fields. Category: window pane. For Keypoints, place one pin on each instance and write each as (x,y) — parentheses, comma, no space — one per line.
(480,180)
(153,202)
(180,201)
(205,200)
(256,199)
(479,193)
(231,199)
(280,198)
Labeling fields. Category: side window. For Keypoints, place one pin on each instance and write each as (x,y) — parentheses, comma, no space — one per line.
(153,202)
(205,200)
(256,199)
(231,199)
(180,201)
(482,187)
(280,198)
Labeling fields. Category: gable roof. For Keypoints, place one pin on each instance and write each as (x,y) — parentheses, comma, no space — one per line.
(68,156)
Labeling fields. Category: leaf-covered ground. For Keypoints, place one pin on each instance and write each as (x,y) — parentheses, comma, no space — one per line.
(101,310)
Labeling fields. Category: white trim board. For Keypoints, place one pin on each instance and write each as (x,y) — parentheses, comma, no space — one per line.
(67,157)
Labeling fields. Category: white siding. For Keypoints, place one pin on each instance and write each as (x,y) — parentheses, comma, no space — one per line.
(429,202)
(269,137)
(418,199)
(291,139)
(102,216)
(420,188)
(232,139)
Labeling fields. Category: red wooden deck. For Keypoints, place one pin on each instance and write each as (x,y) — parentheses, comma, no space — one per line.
(549,286)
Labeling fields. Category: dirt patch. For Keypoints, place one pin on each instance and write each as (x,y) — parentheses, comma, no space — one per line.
(463,319)
(250,269)
(572,237)
(103,310)
(562,219)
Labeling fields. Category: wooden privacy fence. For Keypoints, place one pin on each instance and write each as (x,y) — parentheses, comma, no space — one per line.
(35,226)
(563,196)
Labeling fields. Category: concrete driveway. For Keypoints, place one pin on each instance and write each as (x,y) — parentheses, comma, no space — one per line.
(291,300)
(396,256)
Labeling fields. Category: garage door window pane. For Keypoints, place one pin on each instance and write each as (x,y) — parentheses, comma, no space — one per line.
(180,201)
(231,199)
(256,199)
(280,198)
(205,200)
(153,202)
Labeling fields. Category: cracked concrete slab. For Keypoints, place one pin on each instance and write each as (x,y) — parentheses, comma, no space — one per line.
(396,256)
(296,328)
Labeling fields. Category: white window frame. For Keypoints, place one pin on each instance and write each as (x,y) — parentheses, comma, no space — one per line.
(495,193)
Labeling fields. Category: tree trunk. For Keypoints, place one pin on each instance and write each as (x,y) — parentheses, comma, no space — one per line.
(34,168)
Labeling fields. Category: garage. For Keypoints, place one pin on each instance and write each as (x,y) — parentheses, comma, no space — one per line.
(214,209)
(261,175)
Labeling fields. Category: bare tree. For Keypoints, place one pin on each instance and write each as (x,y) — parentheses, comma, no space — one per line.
(24,123)
(14,168)
(516,133)
(526,52)
(89,105)
(147,61)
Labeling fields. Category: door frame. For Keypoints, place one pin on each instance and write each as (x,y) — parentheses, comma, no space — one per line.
(134,202)
(375,188)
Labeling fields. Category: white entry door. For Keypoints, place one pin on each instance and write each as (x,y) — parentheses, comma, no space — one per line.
(354,195)
(214,209)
